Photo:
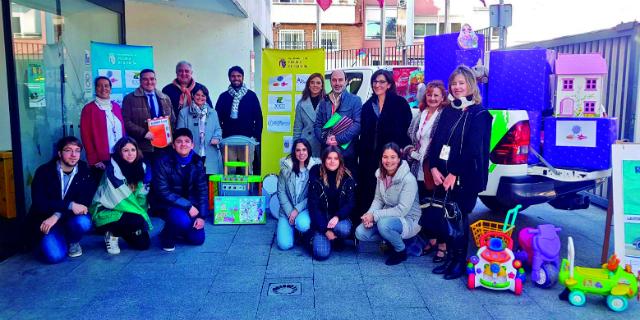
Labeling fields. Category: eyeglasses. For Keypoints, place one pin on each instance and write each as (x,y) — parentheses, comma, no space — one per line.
(379,82)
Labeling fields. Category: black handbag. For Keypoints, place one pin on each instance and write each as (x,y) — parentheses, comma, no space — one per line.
(441,217)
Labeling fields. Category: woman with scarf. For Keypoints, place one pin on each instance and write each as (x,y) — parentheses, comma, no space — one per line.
(119,207)
(202,120)
(182,88)
(101,126)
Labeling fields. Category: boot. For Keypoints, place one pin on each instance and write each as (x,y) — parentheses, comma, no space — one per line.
(456,270)
(396,257)
(441,269)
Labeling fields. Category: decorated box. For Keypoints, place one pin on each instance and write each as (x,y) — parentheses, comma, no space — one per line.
(441,55)
(579,143)
(239,210)
(520,79)
(579,85)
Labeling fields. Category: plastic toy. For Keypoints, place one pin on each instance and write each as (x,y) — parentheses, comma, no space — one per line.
(612,281)
(481,227)
(580,84)
(541,251)
(495,267)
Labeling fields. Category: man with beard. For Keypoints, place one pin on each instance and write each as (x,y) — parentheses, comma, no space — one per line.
(240,114)
(61,191)
(183,87)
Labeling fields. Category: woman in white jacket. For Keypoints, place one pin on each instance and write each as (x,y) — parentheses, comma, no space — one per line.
(395,211)
(292,192)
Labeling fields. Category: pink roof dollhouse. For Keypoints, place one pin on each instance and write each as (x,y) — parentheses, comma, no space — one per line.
(579,86)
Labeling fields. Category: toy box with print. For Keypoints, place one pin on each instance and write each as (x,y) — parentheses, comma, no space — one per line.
(579,143)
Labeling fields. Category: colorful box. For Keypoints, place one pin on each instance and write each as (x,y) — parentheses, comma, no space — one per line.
(579,143)
(239,210)
(520,79)
(441,55)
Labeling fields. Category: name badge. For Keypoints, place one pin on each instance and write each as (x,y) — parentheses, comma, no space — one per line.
(444,152)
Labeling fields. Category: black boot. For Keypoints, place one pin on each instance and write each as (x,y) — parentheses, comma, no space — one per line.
(396,257)
(455,270)
(441,269)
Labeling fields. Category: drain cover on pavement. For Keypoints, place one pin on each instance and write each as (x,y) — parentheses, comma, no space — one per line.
(284,289)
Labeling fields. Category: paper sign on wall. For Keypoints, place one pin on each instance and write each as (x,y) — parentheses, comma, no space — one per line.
(301,81)
(281,82)
(279,123)
(576,133)
(279,102)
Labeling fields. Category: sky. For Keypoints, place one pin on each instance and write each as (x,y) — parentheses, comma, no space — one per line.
(536,20)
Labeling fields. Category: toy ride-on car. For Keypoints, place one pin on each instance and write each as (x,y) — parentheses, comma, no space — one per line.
(616,283)
(495,267)
(541,251)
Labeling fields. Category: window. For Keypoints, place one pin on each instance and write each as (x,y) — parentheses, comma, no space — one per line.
(567,84)
(421,30)
(291,39)
(288,1)
(455,27)
(591,84)
(372,30)
(330,39)
(589,107)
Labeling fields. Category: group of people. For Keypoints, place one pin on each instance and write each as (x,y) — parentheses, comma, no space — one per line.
(126,178)
(354,169)
(377,162)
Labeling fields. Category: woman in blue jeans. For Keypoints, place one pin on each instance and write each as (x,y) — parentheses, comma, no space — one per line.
(331,200)
(293,184)
(395,210)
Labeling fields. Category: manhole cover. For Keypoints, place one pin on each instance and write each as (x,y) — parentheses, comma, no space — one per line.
(284,289)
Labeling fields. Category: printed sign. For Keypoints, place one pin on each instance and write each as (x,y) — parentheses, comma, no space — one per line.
(283,82)
(576,133)
(279,123)
(279,103)
(160,128)
(240,210)
(626,203)
(301,81)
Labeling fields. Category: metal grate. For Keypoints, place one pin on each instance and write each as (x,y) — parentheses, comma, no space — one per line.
(284,289)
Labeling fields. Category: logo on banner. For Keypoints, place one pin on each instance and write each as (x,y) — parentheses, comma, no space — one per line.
(280,83)
(112,58)
(279,103)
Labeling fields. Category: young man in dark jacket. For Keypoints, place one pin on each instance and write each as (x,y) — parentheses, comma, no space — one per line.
(239,112)
(181,192)
(61,192)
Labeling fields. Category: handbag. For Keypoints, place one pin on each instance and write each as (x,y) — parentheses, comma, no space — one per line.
(441,216)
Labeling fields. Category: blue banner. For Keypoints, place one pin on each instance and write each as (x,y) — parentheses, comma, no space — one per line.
(121,64)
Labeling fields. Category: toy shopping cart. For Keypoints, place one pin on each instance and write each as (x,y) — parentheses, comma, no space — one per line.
(481,227)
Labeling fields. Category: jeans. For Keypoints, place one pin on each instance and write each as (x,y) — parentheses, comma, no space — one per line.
(132,228)
(322,244)
(284,234)
(53,246)
(387,228)
(178,223)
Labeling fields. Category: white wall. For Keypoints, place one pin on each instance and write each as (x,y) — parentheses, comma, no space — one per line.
(5,129)
(211,42)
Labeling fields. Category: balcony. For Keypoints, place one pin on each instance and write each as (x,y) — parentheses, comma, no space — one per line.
(341,12)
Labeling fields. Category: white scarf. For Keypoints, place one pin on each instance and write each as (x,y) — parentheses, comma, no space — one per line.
(114,127)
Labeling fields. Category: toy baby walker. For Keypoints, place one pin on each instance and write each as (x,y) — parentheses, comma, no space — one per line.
(612,281)
(495,267)
(541,251)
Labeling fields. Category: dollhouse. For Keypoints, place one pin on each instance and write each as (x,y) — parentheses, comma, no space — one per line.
(579,84)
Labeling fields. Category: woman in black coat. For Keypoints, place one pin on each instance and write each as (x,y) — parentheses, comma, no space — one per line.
(385,118)
(459,158)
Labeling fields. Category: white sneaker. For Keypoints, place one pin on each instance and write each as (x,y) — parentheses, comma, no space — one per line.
(169,249)
(75,250)
(112,243)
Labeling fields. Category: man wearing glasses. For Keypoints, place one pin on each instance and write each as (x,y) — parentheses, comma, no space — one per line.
(61,193)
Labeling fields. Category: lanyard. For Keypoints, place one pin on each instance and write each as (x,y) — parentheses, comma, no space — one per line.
(64,189)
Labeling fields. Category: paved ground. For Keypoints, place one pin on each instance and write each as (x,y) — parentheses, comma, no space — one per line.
(230,275)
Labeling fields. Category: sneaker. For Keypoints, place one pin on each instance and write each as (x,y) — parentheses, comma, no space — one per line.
(168,248)
(75,250)
(112,243)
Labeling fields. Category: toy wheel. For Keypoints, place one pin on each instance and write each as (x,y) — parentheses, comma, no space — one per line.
(471,281)
(518,288)
(577,298)
(547,276)
(617,303)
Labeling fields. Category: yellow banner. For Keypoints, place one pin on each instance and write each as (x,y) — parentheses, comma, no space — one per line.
(284,75)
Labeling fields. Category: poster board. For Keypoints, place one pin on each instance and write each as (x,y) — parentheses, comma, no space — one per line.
(239,210)
(121,64)
(284,75)
(626,203)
